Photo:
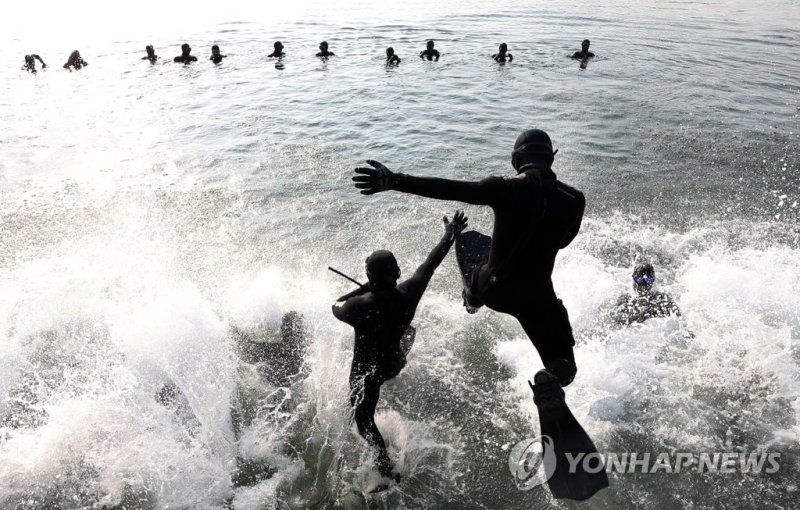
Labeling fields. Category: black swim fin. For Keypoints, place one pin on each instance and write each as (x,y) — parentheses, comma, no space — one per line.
(568,437)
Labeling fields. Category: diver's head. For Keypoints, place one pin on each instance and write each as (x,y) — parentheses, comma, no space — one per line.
(75,55)
(278,46)
(382,270)
(150,50)
(186,49)
(503,48)
(215,50)
(644,276)
(389,52)
(585,45)
(429,45)
(29,60)
(323,46)
(533,147)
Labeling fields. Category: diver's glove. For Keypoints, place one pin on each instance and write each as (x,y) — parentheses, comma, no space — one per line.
(375,179)
(455,227)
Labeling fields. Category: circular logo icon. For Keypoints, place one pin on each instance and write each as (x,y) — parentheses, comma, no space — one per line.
(532,462)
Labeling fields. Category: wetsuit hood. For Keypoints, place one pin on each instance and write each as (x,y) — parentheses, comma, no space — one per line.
(382,269)
(532,147)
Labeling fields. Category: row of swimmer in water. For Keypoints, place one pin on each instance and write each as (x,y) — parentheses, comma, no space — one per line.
(430,53)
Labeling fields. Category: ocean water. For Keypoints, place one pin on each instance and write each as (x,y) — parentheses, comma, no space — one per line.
(147,210)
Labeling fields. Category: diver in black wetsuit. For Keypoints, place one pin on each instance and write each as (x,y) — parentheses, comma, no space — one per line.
(429,53)
(216,56)
(584,54)
(278,51)
(535,216)
(502,54)
(281,360)
(185,57)
(391,58)
(647,303)
(151,54)
(30,63)
(75,61)
(380,313)
(324,54)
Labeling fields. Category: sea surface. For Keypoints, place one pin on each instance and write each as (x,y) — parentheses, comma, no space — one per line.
(147,210)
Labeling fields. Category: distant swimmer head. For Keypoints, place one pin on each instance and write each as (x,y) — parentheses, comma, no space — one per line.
(278,46)
(585,45)
(429,45)
(644,276)
(215,50)
(389,52)
(323,46)
(186,49)
(503,48)
(150,50)
(533,147)
(382,269)
(29,60)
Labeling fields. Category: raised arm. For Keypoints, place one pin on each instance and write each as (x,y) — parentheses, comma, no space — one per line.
(489,191)
(37,57)
(416,285)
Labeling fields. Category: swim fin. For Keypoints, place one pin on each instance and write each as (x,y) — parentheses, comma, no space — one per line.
(568,437)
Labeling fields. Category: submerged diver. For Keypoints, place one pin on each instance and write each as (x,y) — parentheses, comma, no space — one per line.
(391,58)
(502,54)
(151,54)
(278,53)
(30,63)
(185,57)
(75,61)
(380,313)
(281,360)
(324,54)
(584,54)
(216,56)
(646,303)
(429,53)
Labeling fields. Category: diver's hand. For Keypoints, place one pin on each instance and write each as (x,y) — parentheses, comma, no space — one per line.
(373,180)
(456,226)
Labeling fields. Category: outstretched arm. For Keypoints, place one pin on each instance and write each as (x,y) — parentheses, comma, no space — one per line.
(416,285)
(37,57)
(489,191)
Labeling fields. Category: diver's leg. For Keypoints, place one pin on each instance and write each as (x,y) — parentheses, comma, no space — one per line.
(549,330)
(365,401)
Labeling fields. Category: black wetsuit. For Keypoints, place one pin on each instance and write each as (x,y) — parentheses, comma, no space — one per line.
(430,54)
(535,216)
(380,320)
(503,57)
(185,59)
(643,306)
(217,59)
(581,55)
